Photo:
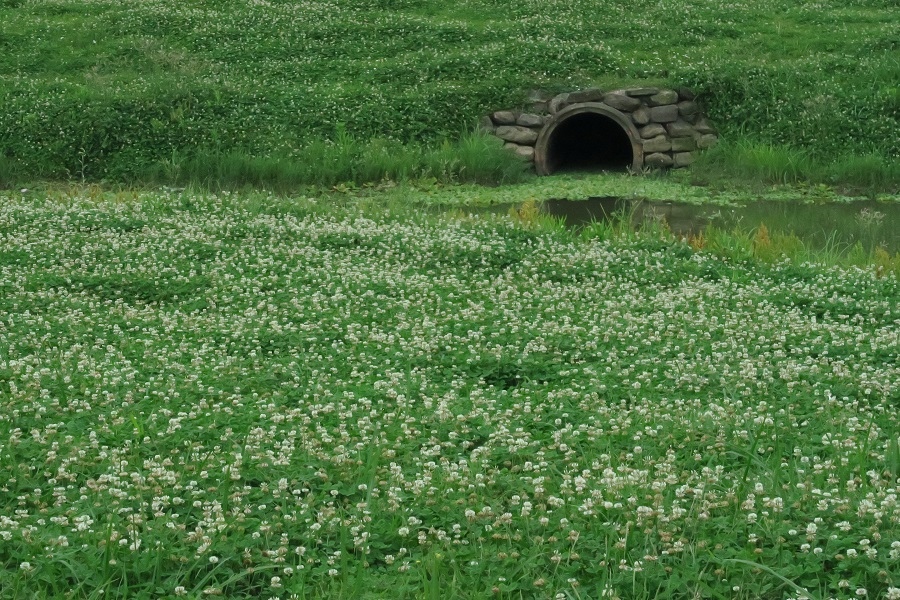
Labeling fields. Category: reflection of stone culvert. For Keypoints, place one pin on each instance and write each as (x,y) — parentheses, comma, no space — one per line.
(591,129)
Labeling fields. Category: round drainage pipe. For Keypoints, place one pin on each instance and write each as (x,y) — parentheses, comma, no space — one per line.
(589,135)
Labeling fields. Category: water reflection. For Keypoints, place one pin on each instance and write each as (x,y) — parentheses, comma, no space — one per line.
(820,225)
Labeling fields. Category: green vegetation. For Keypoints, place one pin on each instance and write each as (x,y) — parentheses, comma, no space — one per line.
(753,165)
(473,159)
(360,382)
(225,93)
(259,397)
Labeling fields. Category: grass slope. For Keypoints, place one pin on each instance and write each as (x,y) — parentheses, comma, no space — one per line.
(169,90)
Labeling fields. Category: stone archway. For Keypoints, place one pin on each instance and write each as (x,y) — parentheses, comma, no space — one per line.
(588,136)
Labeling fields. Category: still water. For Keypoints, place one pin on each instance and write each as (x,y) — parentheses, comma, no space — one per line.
(820,225)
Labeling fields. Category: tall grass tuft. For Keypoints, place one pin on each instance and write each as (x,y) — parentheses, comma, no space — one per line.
(755,163)
(760,162)
(482,159)
(475,158)
(8,172)
(867,172)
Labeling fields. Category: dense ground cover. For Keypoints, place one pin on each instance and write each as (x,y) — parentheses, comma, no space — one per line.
(252,397)
(243,91)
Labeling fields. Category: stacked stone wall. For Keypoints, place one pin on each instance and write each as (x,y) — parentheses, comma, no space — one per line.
(670,123)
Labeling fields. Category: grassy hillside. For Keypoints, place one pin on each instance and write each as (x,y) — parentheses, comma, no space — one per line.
(167,89)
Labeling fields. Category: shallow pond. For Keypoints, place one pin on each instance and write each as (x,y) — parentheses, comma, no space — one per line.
(821,225)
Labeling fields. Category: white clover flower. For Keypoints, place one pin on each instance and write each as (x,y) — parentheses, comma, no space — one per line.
(372,335)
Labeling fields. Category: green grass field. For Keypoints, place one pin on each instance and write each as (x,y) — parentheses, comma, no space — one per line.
(353,381)
(236,92)
(252,397)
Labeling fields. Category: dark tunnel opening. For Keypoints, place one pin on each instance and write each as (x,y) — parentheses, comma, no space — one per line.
(589,141)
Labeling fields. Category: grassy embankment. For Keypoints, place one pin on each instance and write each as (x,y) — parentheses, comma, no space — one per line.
(257,398)
(285,94)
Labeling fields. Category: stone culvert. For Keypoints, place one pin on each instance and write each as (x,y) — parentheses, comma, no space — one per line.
(596,130)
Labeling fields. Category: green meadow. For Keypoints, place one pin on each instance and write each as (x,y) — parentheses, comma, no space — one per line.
(276,322)
(246,396)
(282,94)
